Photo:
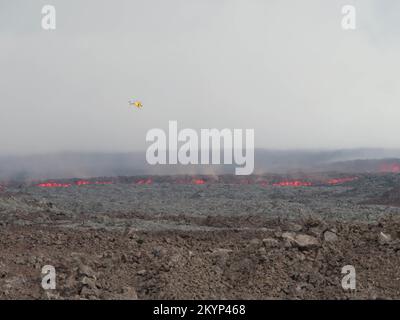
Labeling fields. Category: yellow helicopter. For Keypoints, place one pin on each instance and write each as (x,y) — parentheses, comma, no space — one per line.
(136,103)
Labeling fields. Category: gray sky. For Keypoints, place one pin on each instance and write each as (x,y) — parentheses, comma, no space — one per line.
(285,68)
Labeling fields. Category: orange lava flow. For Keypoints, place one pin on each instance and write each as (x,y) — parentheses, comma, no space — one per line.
(295,183)
(341,180)
(145,181)
(54,185)
(390,167)
(199,181)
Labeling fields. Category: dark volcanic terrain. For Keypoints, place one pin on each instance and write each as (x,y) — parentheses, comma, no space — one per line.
(211,237)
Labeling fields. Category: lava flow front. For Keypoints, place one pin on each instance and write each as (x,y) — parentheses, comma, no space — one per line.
(308,182)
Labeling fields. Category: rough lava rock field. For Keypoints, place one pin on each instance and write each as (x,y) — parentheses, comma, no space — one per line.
(208,237)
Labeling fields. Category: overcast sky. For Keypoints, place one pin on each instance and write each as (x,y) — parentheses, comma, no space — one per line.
(285,68)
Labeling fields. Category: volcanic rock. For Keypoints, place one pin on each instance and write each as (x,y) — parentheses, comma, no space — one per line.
(128,293)
(306,241)
(85,270)
(384,238)
(330,236)
(221,256)
(91,283)
(300,240)
(270,243)
(294,227)
(254,243)
(141,272)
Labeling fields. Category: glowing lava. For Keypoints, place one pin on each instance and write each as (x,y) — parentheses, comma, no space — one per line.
(390,167)
(82,182)
(77,183)
(198,181)
(145,181)
(341,180)
(54,185)
(296,183)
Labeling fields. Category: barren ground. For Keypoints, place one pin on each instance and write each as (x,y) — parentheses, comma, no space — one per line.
(218,240)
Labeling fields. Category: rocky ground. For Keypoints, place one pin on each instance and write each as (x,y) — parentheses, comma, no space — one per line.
(211,241)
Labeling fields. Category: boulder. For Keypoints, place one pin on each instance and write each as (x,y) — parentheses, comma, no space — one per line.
(270,243)
(384,238)
(330,236)
(306,241)
(85,270)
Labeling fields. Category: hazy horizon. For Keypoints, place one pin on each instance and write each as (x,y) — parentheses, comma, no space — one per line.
(90,165)
(380,152)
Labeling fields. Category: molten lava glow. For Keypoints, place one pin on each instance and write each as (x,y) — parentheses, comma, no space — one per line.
(295,183)
(54,185)
(283,183)
(66,185)
(341,180)
(82,182)
(390,167)
(199,181)
(145,181)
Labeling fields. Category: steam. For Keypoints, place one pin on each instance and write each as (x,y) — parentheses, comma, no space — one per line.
(89,165)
